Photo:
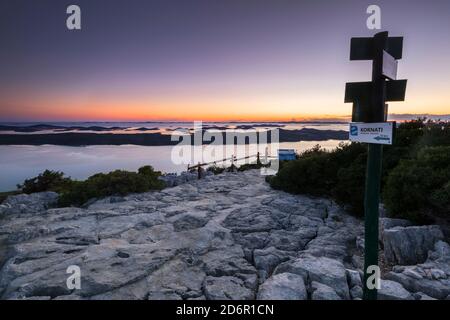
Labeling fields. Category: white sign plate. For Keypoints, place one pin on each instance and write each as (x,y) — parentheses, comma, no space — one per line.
(389,66)
(378,133)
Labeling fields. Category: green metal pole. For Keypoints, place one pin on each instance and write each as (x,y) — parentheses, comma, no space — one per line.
(371,203)
(374,159)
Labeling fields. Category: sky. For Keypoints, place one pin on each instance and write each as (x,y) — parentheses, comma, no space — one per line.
(210,60)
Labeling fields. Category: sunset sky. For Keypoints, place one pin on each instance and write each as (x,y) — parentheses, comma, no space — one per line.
(210,60)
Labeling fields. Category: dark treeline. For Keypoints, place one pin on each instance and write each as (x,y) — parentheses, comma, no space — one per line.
(158,139)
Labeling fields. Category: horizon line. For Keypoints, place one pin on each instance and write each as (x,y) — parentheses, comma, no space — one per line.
(330,119)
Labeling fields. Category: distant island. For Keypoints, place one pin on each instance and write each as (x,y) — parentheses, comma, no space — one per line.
(147,139)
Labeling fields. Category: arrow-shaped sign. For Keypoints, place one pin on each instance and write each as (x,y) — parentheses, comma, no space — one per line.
(362,91)
(382,138)
(362,48)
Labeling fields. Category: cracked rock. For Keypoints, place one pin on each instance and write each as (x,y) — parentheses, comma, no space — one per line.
(283,286)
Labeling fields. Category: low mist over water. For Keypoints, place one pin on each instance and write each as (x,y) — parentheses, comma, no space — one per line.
(18,163)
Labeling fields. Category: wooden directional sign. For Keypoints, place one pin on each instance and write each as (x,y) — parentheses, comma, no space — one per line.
(395,90)
(377,133)
(357,91)
(361,91)
(363,48)
(389,66)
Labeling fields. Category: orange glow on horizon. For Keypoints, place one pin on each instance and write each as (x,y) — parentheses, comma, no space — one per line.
(211,110)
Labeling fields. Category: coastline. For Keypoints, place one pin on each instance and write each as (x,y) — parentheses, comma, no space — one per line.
(156,139)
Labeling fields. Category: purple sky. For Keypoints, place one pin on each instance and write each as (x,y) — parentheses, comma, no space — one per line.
(221,60)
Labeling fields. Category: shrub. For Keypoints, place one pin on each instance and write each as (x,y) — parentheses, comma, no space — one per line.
(101,185)
(321,173)
(418,188)
(216,169)
(317,149)
(117,182)
(415,172)
(350,183)
(152,177)
(250,166)
(440,198)
(305,175)
(46,181)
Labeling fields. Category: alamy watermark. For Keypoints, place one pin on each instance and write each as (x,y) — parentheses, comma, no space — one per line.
(374,20)
(374,277)
(73,21)
(220,147)
(74,280)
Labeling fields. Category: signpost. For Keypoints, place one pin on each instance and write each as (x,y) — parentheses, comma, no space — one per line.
(369,107)
(380,133)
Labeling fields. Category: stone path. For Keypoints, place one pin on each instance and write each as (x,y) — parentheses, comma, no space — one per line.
(224,237)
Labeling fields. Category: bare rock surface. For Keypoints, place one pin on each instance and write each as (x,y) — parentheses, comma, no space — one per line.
(323,292)
(228,236)
(431,278)
(410,245)
(283,286)
(28,203)
(389,223)
(391,290)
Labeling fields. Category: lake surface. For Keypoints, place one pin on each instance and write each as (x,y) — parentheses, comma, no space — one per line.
(18,163)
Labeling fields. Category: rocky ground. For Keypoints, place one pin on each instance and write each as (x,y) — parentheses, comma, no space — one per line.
(224,237)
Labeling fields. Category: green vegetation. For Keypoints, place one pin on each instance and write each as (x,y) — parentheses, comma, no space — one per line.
(415,181)
(216,169)
(320,173)
(254,165)
(72,192)
(249,166)
(48,180)
(422,184)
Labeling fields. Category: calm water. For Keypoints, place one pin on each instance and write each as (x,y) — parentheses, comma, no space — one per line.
(18,163)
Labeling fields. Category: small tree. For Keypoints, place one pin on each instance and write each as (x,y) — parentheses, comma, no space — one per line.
(46,181)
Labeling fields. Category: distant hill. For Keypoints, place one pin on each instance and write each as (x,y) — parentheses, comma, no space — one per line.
(155,139)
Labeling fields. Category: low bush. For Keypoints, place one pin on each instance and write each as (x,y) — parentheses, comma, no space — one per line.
(250,166)
(350,182)
(417,189)
(117,182)
(321,173)
(46,181)
(306,175)
(415,173)
(216,169)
